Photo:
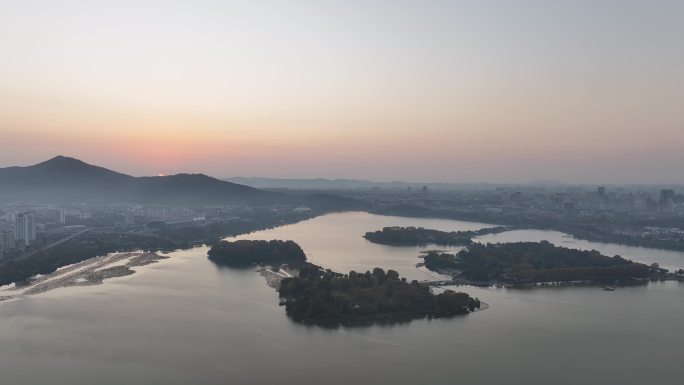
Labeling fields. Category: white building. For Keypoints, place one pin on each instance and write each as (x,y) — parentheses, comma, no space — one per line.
(25,228)
(302,210)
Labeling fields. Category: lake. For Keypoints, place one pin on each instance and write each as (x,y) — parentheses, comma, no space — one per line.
(186,321)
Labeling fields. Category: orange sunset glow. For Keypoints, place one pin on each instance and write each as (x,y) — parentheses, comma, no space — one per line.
(313,90)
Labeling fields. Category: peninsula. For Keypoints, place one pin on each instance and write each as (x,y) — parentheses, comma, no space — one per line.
(415,236)
(534,262)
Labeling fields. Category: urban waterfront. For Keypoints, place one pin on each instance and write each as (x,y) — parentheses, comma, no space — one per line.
(183,320)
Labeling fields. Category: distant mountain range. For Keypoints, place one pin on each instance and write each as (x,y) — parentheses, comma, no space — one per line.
(320,183)
(64,179)
(348,184)
(359,184)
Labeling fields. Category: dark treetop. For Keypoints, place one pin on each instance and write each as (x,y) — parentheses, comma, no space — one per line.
(246,253)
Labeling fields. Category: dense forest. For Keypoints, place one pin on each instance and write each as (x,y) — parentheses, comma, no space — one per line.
(328,298)
(412,236)
(246,253)
(531,262)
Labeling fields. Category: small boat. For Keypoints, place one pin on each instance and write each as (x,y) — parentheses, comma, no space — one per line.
(609,288)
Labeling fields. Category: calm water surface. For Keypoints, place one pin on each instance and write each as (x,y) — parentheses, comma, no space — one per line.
(185,321)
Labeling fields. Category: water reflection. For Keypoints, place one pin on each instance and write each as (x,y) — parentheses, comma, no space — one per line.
(185,321)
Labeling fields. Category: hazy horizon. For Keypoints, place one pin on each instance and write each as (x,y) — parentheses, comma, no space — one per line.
(581,92)
(405,181)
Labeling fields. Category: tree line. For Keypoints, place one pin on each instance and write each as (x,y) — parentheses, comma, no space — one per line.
(413,236)
(532,262)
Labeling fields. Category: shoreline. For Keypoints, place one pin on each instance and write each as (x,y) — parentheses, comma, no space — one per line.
(579,234)
(90,272)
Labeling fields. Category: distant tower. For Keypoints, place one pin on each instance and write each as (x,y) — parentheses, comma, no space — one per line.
(62,216)
(666,201)
(25,228)
(569,207)
(7,241)
(129,218)
(516,196)
(601,191)
(667,194)
(425,189)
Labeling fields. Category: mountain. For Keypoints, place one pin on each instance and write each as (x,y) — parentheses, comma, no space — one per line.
(64,179)
(61,170)
(198,189)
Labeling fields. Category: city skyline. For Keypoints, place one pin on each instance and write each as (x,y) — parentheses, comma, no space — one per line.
(581,92)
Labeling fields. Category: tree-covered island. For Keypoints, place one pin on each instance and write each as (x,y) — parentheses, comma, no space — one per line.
(318,296)
(414,236)
(533,262)
(328,298)
(244,253)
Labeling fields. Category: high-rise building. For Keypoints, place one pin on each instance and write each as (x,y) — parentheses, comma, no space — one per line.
(569,207)
(62,216)
(129,218)
(667,194)
(7,241)
(666,201)
(25,228)
(601,191)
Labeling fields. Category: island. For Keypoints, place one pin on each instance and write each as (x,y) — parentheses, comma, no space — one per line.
(521,263)
(415,236)
(243,253)
(324,297)
(313,295)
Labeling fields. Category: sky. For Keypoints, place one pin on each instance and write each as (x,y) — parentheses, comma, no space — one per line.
(456,91)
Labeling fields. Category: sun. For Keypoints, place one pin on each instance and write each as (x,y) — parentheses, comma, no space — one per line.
(161,174)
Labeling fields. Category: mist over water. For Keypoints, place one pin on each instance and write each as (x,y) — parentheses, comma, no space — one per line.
(184,320)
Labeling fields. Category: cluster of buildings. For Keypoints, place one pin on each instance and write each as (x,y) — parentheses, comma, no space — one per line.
(23,235)
(543,202)
(161,213)
(645,203)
